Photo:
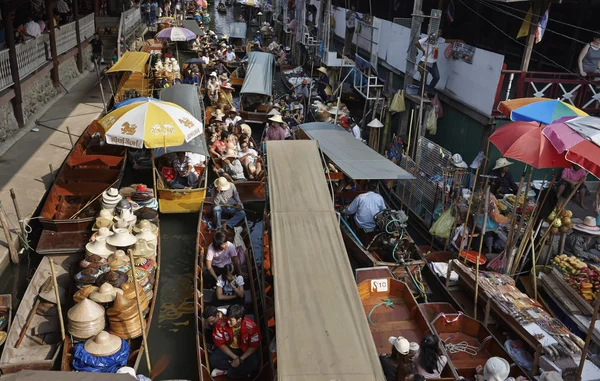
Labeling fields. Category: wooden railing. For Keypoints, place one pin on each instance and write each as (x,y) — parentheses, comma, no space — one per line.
(34,53)
(582,92)
(131,18)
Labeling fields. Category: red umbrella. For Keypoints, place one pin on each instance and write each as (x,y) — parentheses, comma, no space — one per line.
(587,155)
(524,141)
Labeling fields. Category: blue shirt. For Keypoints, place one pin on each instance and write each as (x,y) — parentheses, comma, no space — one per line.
(365,207)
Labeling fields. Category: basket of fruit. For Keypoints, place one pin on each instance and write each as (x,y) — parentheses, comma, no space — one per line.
(560,223)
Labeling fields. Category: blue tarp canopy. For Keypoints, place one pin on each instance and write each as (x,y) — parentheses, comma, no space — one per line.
(237,30)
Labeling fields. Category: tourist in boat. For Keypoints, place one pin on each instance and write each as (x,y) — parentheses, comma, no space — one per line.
(227,201)
(219,147)
(569,178)
(213,88)
(232,167)
(398,366)
(503,182)
(225,96)
(297,106)
(498,369)
(275,131)
(220,253)
(364,207)
(584,239)
(230,55)
(212,315)
(355,129)
(428,363)
(237,339)
(249,159)
(230,287)
(232,118)
(185,176)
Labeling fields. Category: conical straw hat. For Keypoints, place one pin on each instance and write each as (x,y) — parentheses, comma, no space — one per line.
(85,311)
(122,309)
(105,294)
(104,344)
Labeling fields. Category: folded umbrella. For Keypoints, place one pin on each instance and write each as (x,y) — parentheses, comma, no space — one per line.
(587,126)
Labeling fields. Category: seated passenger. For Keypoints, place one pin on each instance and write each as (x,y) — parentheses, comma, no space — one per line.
(211,316)
(232,167)
(219,147)
(220,253)
(364,207)
(427,361)
(227,200)
(249,159)
(185,176)
(230,288)
(397,366)
(237,339)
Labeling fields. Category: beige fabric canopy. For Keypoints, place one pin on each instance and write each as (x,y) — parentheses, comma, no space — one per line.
(322,331)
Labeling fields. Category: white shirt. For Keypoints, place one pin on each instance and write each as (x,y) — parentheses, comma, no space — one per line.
(356,132)
(230,56)
(62,6)
(251,159)
(432,52)
(196,158)
(351,20)
(32,28)
(233,121)
(226,285)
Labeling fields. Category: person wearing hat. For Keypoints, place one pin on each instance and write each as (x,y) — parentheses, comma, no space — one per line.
(213,87)
(428,362)
(503,182)
(496,369)
(237,339)
(583,242)
(397,366)
(232,117)
(297,106)
(232,167)
(275,131)
(569,178)
(227,200)
(302,90)
(249,159)
(225,95)
(185,176)
(364,208)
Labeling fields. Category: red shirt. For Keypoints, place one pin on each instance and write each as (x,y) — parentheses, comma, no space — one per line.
(219,146)
(249,334)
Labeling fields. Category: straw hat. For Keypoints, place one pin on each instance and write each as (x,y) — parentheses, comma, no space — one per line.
(501,163)
(92,260)
(143,248)
(120,255)
(231,153)
(104,344)
(119,265)
(276,119)
(122,309)
(277,105)
(213,74)
(227,85)
(87,276)
(147,235)
(145,224)
(86,319)
(496,369)
(146,264)
(400,343)
(129,293)
(121,238)
(106,213)
(588,226)
(104,232)
(218,113)
(115,278)
(100,247)
(223,45)
(232,110)
(273,112)
(84,293)
(218,118)
(105,294)
(457,161)
(322,70)
(124,204)
(102,222)
(111,196)
(375,123)
(222,183)
(246,129)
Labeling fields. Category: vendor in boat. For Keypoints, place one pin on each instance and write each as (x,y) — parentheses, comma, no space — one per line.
(237,339)
(569,178)
(225,96)
(276,130)
(249,159)
(584,241)
(428,362)
(302,90)
(219,147)
(185,175)
(220,253)
(503,183)
(230,287)
(227,201)
(398,366)
(232,167)
(364,208)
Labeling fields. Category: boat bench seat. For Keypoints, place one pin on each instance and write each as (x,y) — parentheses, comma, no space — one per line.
(80,189)
(94,160)
(210,295)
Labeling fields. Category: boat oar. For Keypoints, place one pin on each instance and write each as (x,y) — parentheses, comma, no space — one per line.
(44,288)
(160,366)
(60,315)
(139,306)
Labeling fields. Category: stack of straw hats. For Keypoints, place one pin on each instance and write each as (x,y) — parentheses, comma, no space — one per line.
(103,344)
(110,198)
(129,293)
(86,319)
(124,319)
(100,247)
(105,294)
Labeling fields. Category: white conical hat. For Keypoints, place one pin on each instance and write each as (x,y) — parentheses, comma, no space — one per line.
(375,123)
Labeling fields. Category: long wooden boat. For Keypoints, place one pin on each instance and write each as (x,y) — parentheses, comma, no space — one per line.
(182,200)
(254,297)
(236,78)
(258,84)
(250,190)
(73,202)
(41,342)
(133,74)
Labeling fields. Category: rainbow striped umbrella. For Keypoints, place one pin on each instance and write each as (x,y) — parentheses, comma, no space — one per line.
(540,110)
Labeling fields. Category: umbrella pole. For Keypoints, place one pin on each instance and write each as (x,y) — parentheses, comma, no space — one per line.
(486,200)
(476,220)
(139,306)
(511,232)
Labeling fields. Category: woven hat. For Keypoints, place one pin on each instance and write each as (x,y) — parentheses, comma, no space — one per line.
(496,369)
(120,255)
(400,343)
(145,224)
(145,264)
(84,292)
(105,294)
(100,247)
(50,296)
(87,276)
(85,316)
(276,119)
(223,76)
(232,110)
(122,309)
(231,153)
(501,163)
(148,236)
(129,293)
(246,129)
(143,248)
(104,232)
(92,260)
(111,195)
(222,183)
(106,213)
(121,238)
(322,70)
(115,278)
(119,265)
(334,110)
(273,112)
(102,222)
(218,113)
(103,344)
(375,123)
(457,161)
(227,85)
(588,226)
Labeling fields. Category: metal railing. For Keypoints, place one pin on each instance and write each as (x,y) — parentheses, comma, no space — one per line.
(31,55)
(65,38)
(581,92)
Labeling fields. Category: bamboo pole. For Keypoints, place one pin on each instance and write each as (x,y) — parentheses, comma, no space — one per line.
(18,213)
(464,233)
(472,235)
(486,200)
(520,225)
(57,296)
(139,306)
(533,261)
(14,255)
(588,338)
(511,232)
(407,156)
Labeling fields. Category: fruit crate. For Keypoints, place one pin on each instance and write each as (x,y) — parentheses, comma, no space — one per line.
(585,308)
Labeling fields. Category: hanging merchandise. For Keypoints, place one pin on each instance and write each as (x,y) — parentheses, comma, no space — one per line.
(443,226)
(398,104)
(541,28)
(431,121)
(464,52)
(437,105)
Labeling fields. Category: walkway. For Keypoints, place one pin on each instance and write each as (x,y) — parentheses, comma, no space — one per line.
(25,166)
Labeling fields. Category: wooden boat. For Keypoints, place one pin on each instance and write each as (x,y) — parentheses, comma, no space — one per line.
(73,202)
(237,37)
(254,297)
(136,354)
(404,319)
(250,190)
(182,200)
(221,8)
(41,342)
(237,76)
(453,329)
(257,88)
(134,75)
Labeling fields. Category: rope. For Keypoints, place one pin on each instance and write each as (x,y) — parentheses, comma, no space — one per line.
(463,346)
(385,302)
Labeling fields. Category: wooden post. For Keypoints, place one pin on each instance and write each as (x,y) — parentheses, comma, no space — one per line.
(533,263)
(536,7)
(466,223)
(139,306)
(53,53)
(18,213)
(78,36)
(57,295)
(588,338)
(14,255)
(9,32)
(486,202)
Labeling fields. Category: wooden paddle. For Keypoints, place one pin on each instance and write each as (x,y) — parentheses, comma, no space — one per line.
(46,287)
(160,366)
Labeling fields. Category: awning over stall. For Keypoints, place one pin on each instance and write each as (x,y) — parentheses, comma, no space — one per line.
(131,61)
(237,30)
(356,159)
(322,330)
(259,74)
(193,26)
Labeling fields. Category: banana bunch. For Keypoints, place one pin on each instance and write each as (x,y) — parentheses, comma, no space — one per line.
(501,206)
(568,265)
(511,199)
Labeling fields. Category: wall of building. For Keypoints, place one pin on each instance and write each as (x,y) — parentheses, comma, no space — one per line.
(8,123)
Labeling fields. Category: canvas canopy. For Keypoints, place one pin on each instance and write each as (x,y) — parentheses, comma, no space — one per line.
(237,30)
(193,26)
(187,97)
(259,74)
(356,159)
(322,330)
(131,61)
